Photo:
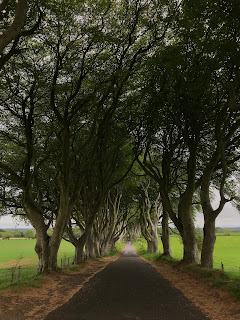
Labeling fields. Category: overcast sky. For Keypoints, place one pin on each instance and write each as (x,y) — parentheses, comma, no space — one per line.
(229,217)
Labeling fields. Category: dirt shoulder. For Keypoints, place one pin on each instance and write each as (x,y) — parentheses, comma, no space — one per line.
(24,262)
(56,289)
(214,302)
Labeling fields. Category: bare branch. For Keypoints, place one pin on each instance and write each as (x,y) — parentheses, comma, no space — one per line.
(14,30)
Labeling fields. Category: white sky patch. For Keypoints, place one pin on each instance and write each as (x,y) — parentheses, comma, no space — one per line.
(9,222)
(229,217)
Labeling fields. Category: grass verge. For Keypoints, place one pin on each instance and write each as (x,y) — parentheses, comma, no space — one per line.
(229,281)
(9,277)
(28,277)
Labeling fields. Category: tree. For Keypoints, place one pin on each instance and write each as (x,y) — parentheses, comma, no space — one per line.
(177,134)
(77,95)
(224,83)
(30,234)
(62,85)
(150,209)
(17,234)
(7,235)
(219,230)
(227,232)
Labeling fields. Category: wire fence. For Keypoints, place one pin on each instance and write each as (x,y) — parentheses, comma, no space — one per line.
(225,268)
(10,274)
(26,274)
(67,262)
(16,275)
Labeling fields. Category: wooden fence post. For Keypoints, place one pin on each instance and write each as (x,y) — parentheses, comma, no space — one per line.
(19,273)
(12,274)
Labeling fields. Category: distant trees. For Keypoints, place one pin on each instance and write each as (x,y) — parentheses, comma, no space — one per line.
(7,235)
(219,230)
(227,232)
(28,234)
(18,234)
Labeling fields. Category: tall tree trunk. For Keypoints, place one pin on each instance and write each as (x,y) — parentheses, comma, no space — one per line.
(190,248)
(42,250)
(46,247)
(47,252)
(210,215)
(79,253)
(112,245)
(152,245)
(150,213)
(42,246)
(189,236)
(209,238)
(79,244)
(93,248)
(167,251)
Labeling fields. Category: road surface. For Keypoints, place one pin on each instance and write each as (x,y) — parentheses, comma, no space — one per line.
(128,288)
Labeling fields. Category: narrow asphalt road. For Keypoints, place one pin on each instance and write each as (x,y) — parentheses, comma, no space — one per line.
(128,288)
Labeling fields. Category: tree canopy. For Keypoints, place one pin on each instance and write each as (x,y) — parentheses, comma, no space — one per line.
(116,114)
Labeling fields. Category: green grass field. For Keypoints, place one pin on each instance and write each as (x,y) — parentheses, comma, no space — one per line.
(226,251)
(17,249)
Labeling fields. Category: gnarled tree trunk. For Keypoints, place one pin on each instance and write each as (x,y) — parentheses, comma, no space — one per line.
(46,247)
(150,213)
(167,251)
(209,238)
(189,236)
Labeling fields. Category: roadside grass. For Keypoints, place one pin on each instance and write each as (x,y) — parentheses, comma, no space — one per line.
(229,280)
(226,251)
(15,250)
(28,276)
(218,278)
(141,247)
